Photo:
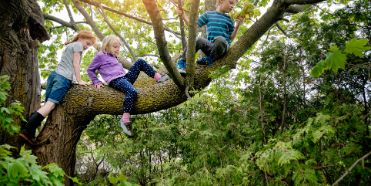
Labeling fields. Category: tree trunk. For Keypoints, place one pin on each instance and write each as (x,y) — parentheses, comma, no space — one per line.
(18,54)
(59,137)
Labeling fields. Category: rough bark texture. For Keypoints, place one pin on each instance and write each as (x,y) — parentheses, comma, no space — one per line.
(18,53)
(58,139)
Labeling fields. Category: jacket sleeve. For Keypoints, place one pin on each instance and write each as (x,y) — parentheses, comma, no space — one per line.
(93,67)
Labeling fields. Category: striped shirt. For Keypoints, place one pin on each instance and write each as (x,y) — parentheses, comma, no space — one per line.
(217,24)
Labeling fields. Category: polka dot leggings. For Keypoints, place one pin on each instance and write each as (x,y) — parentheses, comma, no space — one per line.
(125,83)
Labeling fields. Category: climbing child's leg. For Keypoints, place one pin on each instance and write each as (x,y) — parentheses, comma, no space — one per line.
(141,65)
(204,45)
(122,84)
(219,48)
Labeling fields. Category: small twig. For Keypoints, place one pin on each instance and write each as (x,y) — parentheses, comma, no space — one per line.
(269,31)
(101,11)
(351,167)
(187,93)
(182,32)
(125,14)
(282,30)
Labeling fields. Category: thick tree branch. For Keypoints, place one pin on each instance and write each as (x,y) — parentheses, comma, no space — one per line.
(192,42)
(294,9)
(89,20)
(302,2)
(60,21)
(124,14)
(158,28)
(133,56)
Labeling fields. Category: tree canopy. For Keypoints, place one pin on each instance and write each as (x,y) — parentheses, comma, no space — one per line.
(288,105)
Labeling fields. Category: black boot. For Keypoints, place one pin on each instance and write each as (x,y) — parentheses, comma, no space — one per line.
(28,129)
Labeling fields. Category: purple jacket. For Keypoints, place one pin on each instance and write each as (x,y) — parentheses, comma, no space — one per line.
(107,66)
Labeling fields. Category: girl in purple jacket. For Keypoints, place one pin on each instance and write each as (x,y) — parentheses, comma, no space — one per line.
(106,63)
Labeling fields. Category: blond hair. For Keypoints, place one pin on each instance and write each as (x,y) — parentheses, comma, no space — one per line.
(108,42)
(83,34)
(218,2)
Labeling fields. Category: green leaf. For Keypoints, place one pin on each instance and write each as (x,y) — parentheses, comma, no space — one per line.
(357,47)
(318,69)
(55,170)
(17,170)
(335,59)
(287,153)
(75,180)
(322,131)
(5,110)
(37,174)
(4,150)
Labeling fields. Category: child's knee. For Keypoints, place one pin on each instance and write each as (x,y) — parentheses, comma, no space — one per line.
(221,43)
(220,48)
(141,61)
(132,93)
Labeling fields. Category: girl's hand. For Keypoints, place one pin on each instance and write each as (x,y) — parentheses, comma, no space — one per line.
(98,86)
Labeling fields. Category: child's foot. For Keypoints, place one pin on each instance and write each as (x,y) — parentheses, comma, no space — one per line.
(26,137)
(205,61)
(157,76)
(126,127)
(163,78)
(181,66)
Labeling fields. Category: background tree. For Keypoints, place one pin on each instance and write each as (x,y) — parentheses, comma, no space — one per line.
(241,125)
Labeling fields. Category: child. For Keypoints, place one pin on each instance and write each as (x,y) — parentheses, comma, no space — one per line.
(59,82)
(220,33)
(117,77)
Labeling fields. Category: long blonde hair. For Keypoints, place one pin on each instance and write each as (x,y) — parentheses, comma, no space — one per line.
(83,34)
(108,42)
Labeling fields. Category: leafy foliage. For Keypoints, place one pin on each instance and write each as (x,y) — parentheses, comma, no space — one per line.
(8,112)
(336,58)
(279,119)
(24,170)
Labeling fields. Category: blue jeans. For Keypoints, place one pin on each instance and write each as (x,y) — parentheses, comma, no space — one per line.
(125,83)
(57,87)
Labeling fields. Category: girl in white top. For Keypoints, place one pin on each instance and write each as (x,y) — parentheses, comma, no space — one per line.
(59,82)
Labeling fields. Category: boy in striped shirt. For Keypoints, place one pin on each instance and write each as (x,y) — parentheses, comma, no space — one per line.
(220,29)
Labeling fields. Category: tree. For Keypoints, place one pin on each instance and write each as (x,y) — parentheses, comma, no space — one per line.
(57,140)
(20,33)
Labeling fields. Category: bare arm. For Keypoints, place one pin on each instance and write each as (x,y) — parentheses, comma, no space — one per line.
(181,13)
(76,68)
(236,27)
